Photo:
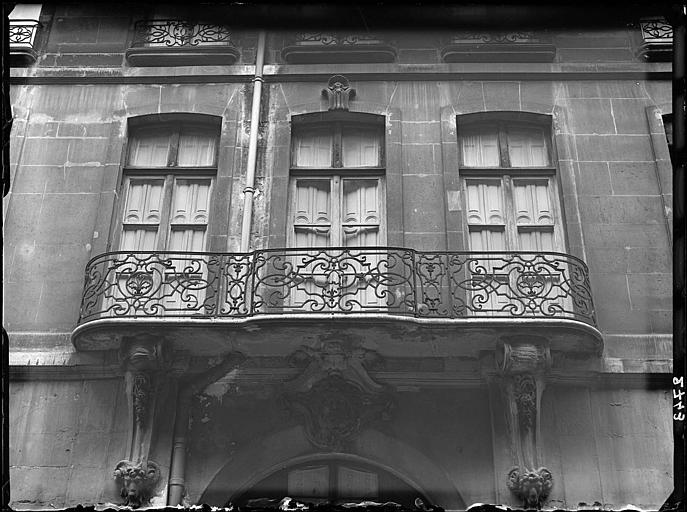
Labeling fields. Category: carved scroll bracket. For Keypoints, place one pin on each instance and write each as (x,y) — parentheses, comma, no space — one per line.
(143,360)
(523,364)
(338,92)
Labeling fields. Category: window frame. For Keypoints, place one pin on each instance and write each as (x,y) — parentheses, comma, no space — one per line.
(508,175)
(335,123)
(169,174)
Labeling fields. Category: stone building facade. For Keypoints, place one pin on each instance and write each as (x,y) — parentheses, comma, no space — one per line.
(337,264)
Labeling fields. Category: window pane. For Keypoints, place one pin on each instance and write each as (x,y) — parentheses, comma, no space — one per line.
(480,147)
(309,482)
(312,216)
(184,240)
(143,201)
(353,483)
(149,150)
(532,202)
(191,201)
(485,202)
(536,240)
(527,148)
(313,149)
(487,240)
(196,150)
(139,239)
(361,148)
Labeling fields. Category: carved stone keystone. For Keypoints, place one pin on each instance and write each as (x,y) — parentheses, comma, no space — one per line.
(338,92)
(137,481)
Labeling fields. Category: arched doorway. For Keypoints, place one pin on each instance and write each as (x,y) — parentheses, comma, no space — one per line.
(333,480)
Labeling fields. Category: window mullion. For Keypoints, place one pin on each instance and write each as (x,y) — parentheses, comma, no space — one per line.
(503,146)
(511,231)
(173,156)
(337,146)
(336,220)
(165,227)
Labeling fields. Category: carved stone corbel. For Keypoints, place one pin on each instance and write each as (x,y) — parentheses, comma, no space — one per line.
(523,364)
(137,481)
(143,360)
(338,92)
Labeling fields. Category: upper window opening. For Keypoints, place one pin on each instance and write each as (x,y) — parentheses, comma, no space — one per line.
(504,145)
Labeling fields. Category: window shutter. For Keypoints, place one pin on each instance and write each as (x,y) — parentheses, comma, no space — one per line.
(360,148)
(361,216)
(486,218)
(313,150)
(480,148)
(527,148)
(312,218)
(142,215)
(534,215)
(190,204)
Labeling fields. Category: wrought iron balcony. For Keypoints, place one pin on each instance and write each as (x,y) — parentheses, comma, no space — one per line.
(22,37)
(388,284)
(656,42)
(494,46)
(338,47)
(180,42)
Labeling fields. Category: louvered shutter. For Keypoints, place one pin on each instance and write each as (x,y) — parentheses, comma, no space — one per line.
(486,215)
(534,214)
(312,220)
(142,214)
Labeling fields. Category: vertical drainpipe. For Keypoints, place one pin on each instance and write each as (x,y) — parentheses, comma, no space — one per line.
(249,191)
(188,389)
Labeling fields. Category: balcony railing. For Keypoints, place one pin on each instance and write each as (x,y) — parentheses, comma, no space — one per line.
(338,47)
(180,42)
(337,281)
(22,37)
(495,46)
(656,42)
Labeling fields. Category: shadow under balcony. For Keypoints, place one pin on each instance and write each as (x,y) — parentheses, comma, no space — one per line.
(267,302)
(180,43)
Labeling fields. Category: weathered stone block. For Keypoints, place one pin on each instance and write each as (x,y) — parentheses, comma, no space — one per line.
(502,95)
(634,178)
(605,89)
(650,291)
(607,260)
(421,159)
(45,151)
(621,209)
(593,179)
(59,304)
(425,132)
(593,116)
(425,241)
(74,30)
(630,115)
(21,223)
(609,291)
(624,235)
(620,148)
(63,216)
(92,151)
(48,263)
(537,96)
(423,204)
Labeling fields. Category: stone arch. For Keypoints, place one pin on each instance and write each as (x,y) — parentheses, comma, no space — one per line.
(289,447)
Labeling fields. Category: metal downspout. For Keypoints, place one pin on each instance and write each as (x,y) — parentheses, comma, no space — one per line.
(249,190)
(188,388)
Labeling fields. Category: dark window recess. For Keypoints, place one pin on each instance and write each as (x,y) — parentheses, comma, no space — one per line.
(668,127)
(338,47)
(176,42)
(498,47)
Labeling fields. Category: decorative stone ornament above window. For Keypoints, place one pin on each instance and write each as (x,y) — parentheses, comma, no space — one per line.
(177,42)
(338,92)
(23,27)
(656,40)
(338,47)
(523,46)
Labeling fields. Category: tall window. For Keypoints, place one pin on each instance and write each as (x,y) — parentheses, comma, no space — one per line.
(337,185)
(167,186)
(509,186)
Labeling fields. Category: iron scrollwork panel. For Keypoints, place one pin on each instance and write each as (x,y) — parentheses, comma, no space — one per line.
(338,280)
(175,33)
